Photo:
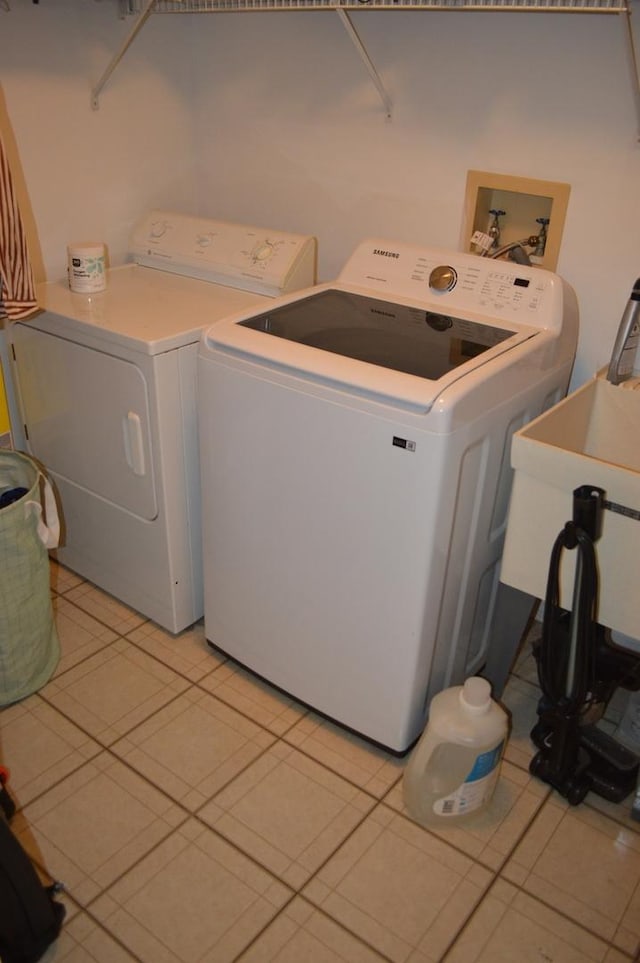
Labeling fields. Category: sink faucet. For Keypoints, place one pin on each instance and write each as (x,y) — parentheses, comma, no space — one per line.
(627,339)
(515,250)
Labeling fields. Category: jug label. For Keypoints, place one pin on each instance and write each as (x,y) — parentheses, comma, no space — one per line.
(477,788)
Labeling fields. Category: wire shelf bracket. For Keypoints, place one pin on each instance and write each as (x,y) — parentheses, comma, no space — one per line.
(117,57)
(352,33)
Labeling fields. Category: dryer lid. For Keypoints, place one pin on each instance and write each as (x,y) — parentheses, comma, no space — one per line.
(141,310)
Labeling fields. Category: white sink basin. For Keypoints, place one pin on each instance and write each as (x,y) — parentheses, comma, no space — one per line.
(590,438)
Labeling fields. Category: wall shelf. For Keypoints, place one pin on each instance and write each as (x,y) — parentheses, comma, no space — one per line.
(142,9)
(221,6)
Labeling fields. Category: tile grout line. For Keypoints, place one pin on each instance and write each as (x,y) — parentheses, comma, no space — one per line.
(378,802)
(297,892)
(327,916)
(197,683)
(608,944)
(279,738)
(188,813)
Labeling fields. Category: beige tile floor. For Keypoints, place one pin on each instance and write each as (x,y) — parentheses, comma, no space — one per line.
(196,814)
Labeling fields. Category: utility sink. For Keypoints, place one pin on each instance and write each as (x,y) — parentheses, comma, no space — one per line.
(592,438)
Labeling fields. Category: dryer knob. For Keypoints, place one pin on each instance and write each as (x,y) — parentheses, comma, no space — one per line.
(443,278)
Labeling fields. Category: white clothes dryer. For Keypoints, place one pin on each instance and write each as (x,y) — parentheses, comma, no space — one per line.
(106,385)
(355,465)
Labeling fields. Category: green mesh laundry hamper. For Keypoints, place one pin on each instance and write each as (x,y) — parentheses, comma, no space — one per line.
(29,526)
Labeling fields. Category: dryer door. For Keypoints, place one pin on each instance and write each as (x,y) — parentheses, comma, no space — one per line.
(87,417)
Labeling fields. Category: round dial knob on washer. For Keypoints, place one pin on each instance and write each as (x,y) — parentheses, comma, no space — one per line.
(443,278)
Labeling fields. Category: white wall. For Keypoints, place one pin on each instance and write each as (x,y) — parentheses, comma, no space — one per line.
(90,174)
(291,129)
(271,118)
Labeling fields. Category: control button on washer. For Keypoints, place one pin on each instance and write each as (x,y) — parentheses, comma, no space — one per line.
(443,278)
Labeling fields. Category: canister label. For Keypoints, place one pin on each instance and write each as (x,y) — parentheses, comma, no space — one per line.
(477,788)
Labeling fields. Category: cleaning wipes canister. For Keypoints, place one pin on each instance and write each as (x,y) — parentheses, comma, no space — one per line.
(86,267)
(453,770)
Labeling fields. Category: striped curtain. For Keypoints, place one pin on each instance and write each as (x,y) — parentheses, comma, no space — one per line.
(17,290)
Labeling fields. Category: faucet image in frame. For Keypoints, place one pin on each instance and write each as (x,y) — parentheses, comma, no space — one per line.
(542,236)
(494,228)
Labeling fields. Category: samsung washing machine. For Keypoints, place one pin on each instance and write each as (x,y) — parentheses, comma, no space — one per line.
(355,445)
(106,386)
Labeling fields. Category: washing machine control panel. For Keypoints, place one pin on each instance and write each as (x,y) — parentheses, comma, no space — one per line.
(458,283)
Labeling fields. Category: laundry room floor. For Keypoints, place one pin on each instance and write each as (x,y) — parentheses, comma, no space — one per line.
(194,813)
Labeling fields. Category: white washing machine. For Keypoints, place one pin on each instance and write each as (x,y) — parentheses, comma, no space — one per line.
(106,385)
(355,471)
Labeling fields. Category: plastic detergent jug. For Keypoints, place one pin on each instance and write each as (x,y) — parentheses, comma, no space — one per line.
(454,769)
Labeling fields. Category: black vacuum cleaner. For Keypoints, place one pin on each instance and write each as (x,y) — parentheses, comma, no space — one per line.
(579,668)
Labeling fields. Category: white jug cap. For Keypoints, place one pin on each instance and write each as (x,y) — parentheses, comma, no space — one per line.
(475,695)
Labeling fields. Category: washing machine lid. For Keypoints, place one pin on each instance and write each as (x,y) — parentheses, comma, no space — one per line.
(406,354)
(402,323)
(142,310)
(404,338)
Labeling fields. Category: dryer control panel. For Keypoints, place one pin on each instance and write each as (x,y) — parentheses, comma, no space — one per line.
(495,289)
(251,258)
